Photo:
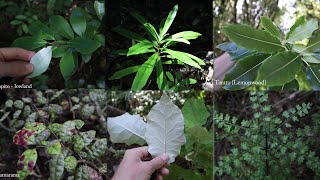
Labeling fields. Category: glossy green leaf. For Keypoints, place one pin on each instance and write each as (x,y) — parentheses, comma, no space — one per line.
(268,25)
(124,72)
(141,48)
(26,163)
(252,39)
(303,31)
(84,45)
(67,64)
(313,76)
(60,25)
(41,61)
(280,69)
(186,35)
(86,57)
(182,57)
(244,71)
(161,78)
(29,43)
(164,29)
(56,167)
(144,73)
(100,38)
(128,34)
(195,58)
(70,162)
(98,148)
(303,83)
(150,30)
(78,21)
(99,8)
(53,147)
(297,23)
(59,51)
(314,43)
(92,28)
(40,30)
(195,112)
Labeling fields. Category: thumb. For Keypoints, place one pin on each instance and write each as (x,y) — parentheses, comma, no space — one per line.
(158,162)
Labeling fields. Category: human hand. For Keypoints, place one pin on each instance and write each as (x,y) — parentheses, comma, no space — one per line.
(14,62)
(137,164)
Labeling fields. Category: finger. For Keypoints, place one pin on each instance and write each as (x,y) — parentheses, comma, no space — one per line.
(159,177)
(141,152)
(15,69)
(164,171)
(158,162)
(11,54)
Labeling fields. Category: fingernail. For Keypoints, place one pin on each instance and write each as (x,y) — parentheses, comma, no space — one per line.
(29,67)
(165,157)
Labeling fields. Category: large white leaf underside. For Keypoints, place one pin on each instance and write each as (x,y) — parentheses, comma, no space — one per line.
(165,129)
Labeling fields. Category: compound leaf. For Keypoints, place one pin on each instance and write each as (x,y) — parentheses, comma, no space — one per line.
(128,129)
(165,129)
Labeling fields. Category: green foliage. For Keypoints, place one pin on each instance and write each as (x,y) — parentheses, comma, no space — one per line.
(284,61)
(158,44)
(266,144)
(70,40)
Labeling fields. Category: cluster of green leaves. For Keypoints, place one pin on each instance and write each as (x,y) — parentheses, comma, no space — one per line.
(266,145)
(69,147)
(158,45)
(81,39)
(198,148)
(284,60)
(21,22)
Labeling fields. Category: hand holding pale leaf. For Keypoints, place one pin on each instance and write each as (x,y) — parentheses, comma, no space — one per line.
(14,62)
(137,163)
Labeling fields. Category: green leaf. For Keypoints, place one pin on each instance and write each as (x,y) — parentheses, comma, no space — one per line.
(128,34)
(28,43)
(268,25)
(314,43)
(124,72)
(78,21)
(195,112)
(100,38)
(144,73)
(161,78)
(60,25)
(252,39)
(84,45)
(280,69)
(150,30)
(26,163)
(56,167)
(78,143)
(82,173)
(187,81)
(182,57)
(304,84)
(164,29)
(59,51)
(245,70)
(141,48)
(40,30)
(67,64)
(88,136)
(198,60)
(313,76)
(53,147)
(70,162)
(4,116)
(99,8)
(98,148)
(78,123)
(186,35)
(41,61)
(86,57)
(303,31)
(297,23)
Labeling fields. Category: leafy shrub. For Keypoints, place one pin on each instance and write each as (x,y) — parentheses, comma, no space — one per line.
(81,39)
(196,153)
(158,44)
(283,60)
(265,145)
(43,133)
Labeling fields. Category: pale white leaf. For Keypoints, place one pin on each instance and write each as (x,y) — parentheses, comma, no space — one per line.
(128,129)
(165,129)
(41,61)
